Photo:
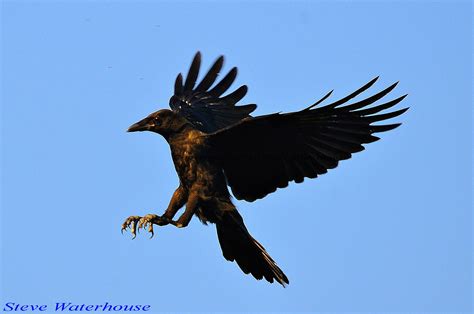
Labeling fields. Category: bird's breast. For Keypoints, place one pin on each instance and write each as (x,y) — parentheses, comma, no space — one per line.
(186,152)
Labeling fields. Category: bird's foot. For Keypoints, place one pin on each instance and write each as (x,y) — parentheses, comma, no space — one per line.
(135,223)
(131,222)
(151,219)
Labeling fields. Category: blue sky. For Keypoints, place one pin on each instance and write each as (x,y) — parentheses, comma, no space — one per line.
(388,230)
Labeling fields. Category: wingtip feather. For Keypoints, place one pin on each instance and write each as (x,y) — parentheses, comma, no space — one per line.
(320,100)
(178,84)
(193,72)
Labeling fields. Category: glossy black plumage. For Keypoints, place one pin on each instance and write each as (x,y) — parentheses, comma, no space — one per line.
(203,106)
(215,144)
(259,155)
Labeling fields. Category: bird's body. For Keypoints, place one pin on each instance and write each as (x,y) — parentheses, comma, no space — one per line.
(198,175)
(215,144)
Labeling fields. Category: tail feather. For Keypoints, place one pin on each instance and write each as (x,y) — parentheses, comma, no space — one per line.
(238,245)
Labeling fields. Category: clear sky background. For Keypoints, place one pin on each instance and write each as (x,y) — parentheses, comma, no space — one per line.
(388,230)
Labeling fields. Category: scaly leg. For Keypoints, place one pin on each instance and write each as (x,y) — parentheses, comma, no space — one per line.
(135,223)
(177,201)
(191,207)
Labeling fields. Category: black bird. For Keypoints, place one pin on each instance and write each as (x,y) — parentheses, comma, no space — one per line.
(215,144)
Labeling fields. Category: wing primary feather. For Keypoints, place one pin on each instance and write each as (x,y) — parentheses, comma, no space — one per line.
(385,116)
(223,85)
(193,72)
(235,96)
(352,95)
(370,100)
(178,85)
(319,101)
(211,75)
(384,128)
(345,137)
(368,111)
(349,129)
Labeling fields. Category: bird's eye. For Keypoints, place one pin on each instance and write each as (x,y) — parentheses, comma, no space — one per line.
(157,121)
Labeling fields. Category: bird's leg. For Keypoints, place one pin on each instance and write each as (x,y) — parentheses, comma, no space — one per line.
(177,201)
(191,206)
(135,223)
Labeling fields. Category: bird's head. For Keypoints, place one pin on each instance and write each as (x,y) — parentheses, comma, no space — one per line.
(164,122)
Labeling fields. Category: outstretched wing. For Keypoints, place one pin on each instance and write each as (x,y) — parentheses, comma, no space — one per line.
(203,106)
(264,153)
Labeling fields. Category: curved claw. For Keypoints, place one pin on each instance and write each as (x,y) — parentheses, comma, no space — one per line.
(131,222)
(134,229)
(150,230)
(141,223)
(135,223)
(124,227)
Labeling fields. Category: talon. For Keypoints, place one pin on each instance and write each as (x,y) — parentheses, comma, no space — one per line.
(124,227)
(131,222)
(150,230)
(135,223)
(134,229)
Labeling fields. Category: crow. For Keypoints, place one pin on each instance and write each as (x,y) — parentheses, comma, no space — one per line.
(215,144)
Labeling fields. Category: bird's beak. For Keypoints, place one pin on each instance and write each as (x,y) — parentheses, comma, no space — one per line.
(141,125)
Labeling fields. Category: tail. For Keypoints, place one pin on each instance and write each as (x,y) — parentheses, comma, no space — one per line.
(238,245)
